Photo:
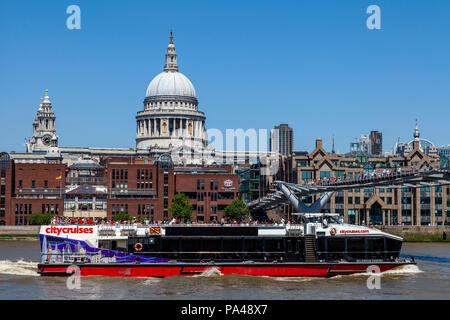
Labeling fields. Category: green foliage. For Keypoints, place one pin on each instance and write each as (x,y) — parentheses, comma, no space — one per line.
(40,218)
(237,210)
(141,219)
(121,216)
(426,238)
(180,208)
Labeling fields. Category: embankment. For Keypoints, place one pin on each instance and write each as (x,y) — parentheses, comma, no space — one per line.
(419,233)
(19,232)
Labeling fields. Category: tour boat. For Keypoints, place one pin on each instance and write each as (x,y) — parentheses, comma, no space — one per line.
(320,245)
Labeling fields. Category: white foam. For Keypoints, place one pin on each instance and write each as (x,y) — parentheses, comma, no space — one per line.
(293,279)
(151,281)
(20,267)
(404,269)
(210,272)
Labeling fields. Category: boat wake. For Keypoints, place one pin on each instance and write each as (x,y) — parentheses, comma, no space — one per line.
(405,269)
(19,267)
(211,272)
(294,279)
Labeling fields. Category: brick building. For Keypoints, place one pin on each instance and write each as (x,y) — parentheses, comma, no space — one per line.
(142,187)
(379,206)
(28,188)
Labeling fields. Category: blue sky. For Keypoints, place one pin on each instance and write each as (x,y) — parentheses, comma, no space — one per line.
(255,64)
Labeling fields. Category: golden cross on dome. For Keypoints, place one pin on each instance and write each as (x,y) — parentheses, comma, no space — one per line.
(171,36)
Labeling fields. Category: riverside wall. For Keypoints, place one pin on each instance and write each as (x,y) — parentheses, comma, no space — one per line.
(416,231)
(19,230)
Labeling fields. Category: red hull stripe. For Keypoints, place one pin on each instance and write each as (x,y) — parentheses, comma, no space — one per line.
(158,270)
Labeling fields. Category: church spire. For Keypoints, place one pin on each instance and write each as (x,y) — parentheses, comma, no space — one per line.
(332,149)
(416,131)
(171,56)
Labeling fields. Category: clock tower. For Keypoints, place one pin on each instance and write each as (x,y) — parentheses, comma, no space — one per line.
(44,132)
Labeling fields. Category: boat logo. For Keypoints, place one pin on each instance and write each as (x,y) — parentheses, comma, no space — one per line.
(77,229)
(333,231)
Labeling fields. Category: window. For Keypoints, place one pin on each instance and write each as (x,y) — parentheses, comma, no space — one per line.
(45,183)
(306,174)
(356,247)
(325,174)
(336,245)
(301,163)
(33,183)
(350,200)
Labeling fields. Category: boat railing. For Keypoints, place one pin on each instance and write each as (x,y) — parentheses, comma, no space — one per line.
(74,257)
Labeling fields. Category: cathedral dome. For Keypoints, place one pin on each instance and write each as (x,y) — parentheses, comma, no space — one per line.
(170,83)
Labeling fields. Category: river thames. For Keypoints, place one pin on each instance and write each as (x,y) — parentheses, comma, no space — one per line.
(430,279)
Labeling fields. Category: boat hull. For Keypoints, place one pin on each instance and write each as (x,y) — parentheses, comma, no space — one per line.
(192,269)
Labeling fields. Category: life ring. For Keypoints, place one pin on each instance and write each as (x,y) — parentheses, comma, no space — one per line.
(333,231)
(138,246)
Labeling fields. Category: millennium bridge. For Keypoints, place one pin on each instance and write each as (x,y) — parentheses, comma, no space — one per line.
(283,193)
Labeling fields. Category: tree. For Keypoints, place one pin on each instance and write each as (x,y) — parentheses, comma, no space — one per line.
(121,216)
(40,218)
(180,207)
(237,209)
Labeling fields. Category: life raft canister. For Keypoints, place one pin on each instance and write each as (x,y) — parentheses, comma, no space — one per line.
(333,231)
(138,246)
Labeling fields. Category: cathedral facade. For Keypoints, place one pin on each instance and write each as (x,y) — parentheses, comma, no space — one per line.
(170,120)
(170,117)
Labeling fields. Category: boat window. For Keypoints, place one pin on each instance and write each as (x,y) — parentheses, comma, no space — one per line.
(190,245)
(274,245)
(333,219)
(289,245)
(393,245)
(213,245)
(170,245)
(356,247)
(375,244)
(232,245)
(253,245)
(314,219)
(336,244)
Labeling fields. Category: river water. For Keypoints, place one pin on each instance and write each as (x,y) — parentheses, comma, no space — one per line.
(430,279)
